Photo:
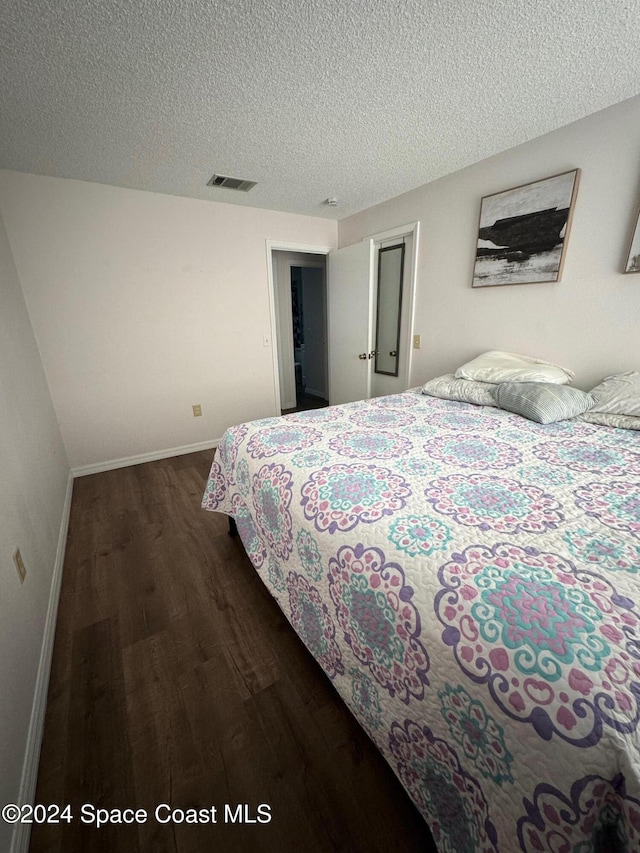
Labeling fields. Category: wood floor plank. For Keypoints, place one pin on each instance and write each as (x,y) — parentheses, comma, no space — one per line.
(166,756)
(177,679)
(97,737)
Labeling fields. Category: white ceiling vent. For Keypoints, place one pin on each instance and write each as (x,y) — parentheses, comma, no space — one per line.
(231,183)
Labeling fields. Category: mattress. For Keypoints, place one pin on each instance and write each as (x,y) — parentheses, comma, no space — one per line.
(470,582)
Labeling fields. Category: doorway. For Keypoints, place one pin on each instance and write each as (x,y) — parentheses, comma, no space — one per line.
(300,299)
(349,293)
(309,317)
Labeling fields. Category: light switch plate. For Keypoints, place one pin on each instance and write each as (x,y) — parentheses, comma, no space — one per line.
(416,341)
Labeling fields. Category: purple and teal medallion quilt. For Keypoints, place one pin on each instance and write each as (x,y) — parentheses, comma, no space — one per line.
(470,581)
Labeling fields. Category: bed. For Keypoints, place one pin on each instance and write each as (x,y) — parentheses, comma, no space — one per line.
(470,582)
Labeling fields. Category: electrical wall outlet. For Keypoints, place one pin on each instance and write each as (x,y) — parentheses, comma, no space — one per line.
(20,566)
(416,341)
(197,410)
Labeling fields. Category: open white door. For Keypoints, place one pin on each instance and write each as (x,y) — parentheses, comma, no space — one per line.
(350,300)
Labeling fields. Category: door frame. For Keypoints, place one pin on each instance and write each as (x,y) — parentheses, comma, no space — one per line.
(283,246)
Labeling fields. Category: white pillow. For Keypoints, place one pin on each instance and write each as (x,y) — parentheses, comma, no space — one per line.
(447,387)
(496,366)
(617,401)
(618,394)
(607,419)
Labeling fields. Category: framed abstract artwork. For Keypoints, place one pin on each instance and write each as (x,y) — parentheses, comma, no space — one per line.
(523,232)
(633,256)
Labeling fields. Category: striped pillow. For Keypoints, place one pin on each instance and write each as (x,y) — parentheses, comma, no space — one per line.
(542,402)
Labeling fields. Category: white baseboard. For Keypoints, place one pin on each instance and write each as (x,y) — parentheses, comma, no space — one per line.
(112,464)
(22,831)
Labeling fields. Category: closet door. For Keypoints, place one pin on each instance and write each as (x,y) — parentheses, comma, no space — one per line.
(350,315)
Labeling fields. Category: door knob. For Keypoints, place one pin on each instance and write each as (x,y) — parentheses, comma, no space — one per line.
(393,353)
(363,356)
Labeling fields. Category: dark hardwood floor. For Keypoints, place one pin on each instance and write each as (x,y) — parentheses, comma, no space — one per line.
(176,679)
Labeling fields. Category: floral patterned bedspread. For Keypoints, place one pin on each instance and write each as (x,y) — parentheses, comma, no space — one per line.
(470,581)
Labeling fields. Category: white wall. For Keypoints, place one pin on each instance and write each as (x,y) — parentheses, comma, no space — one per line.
(590,321)
(34,477)
(145,304)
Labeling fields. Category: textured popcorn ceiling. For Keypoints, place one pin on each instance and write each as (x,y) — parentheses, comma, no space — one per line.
(311,98)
